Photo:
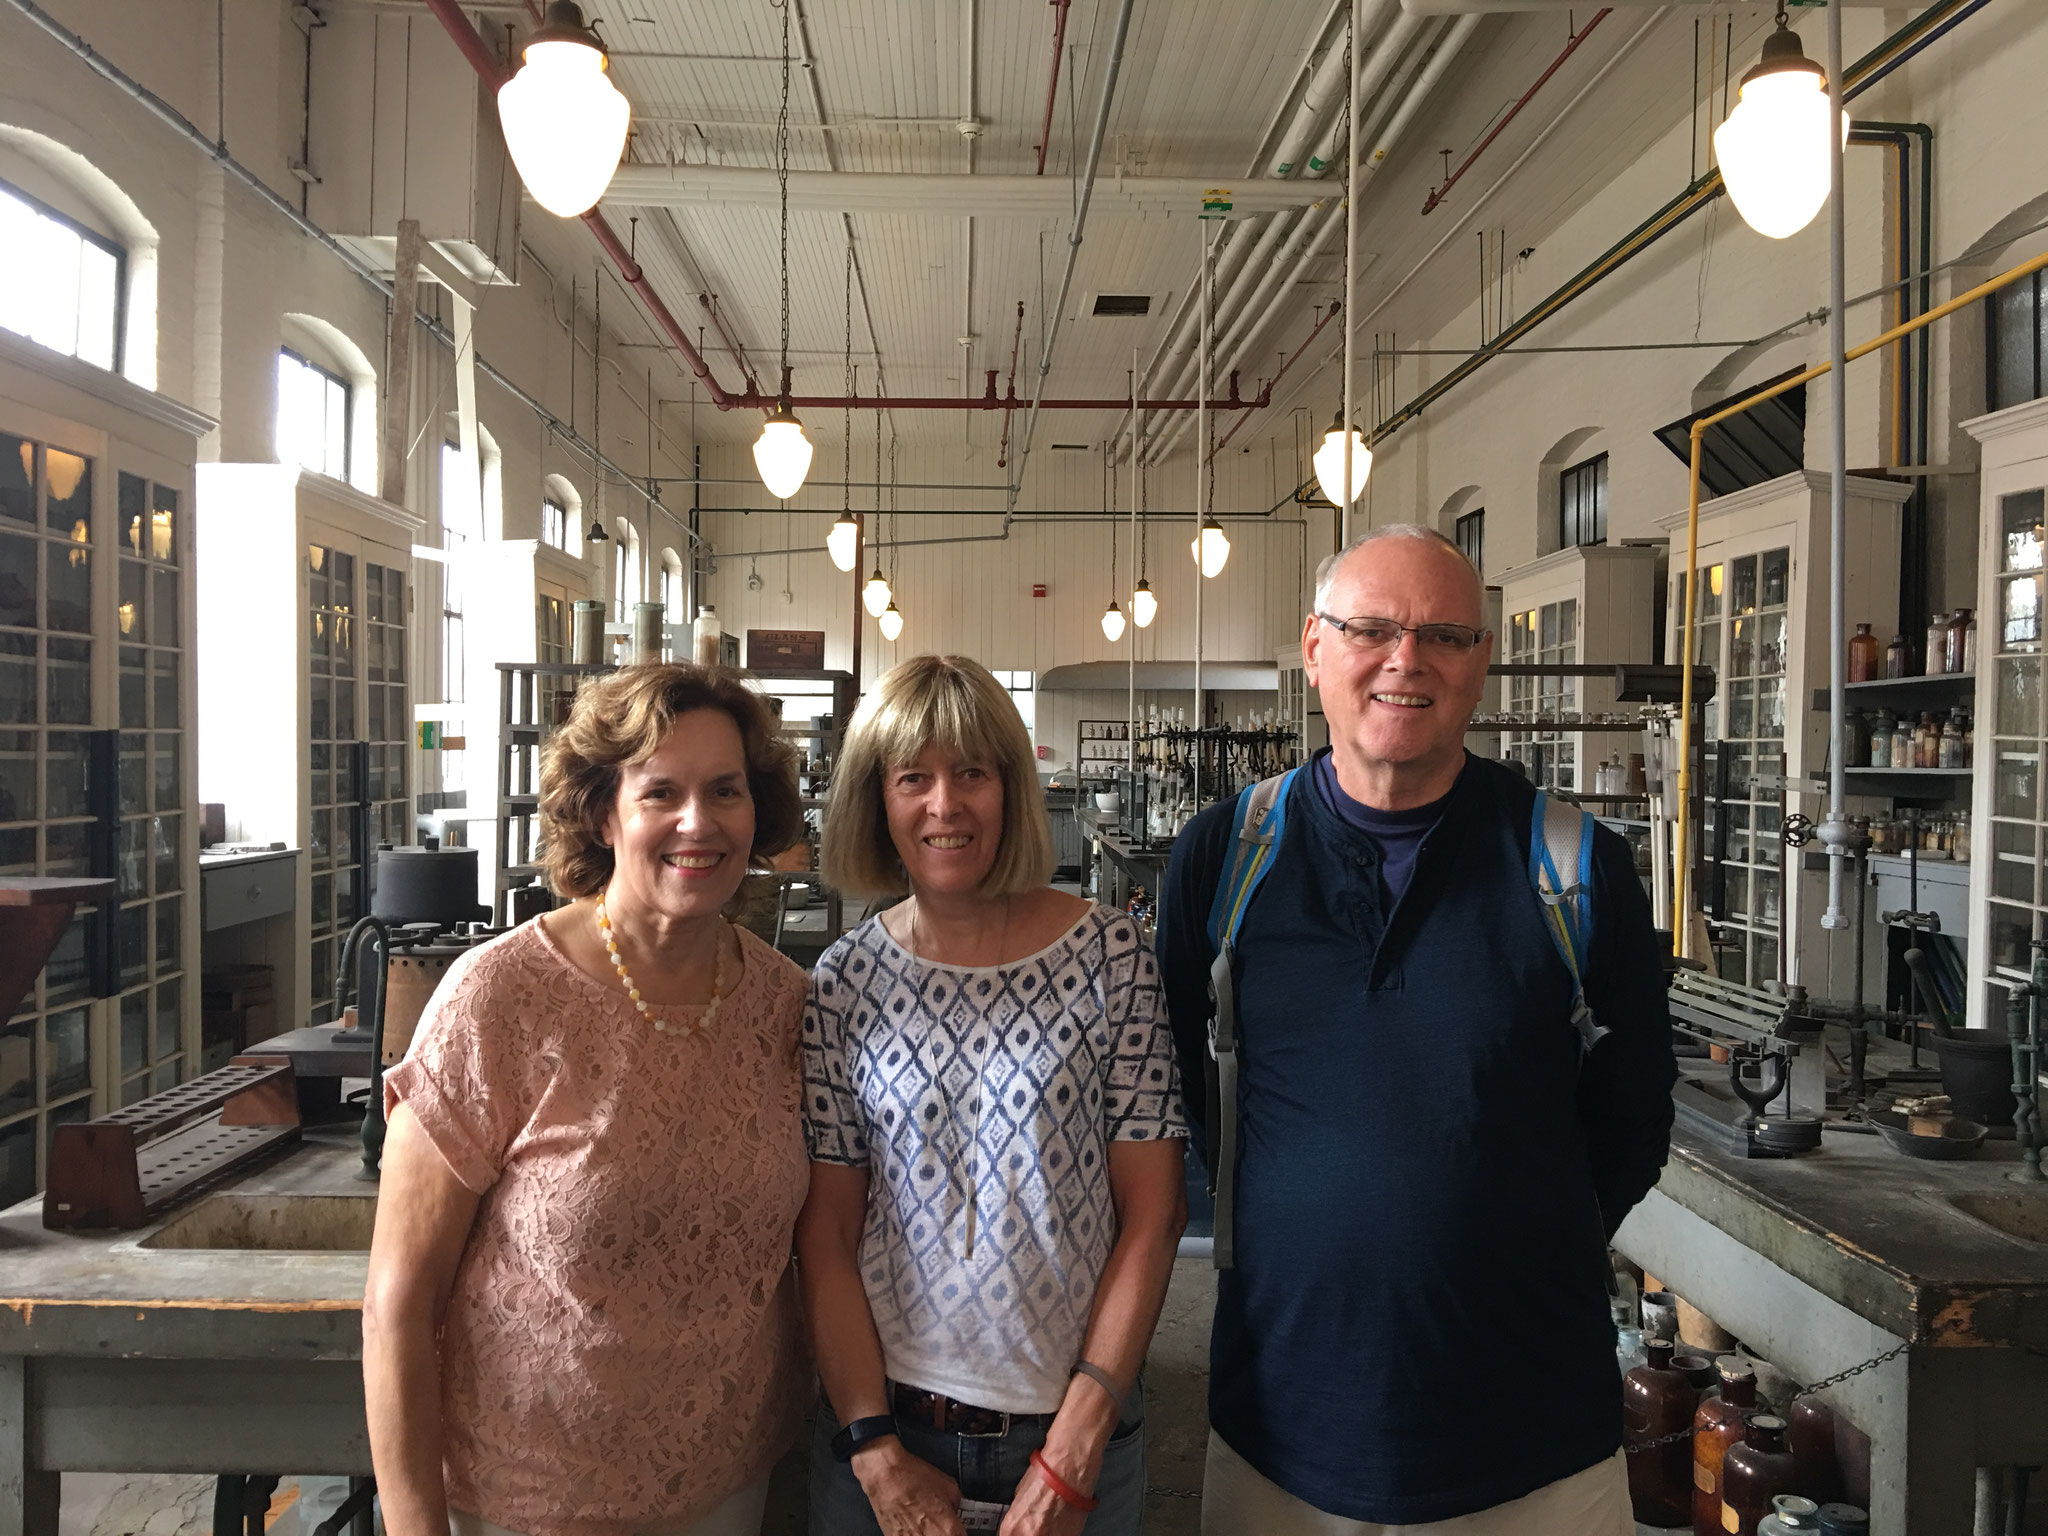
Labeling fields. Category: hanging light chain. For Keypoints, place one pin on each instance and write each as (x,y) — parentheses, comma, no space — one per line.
(782,186)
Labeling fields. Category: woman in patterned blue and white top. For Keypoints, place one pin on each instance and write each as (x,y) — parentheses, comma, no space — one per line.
(996,1139)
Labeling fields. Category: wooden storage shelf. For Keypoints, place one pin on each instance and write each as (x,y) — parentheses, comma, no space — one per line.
(1918,692)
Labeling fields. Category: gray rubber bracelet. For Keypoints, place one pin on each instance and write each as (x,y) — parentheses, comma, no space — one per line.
(1104,1380)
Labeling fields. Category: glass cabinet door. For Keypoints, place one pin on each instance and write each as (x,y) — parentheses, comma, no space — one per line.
(2018,732)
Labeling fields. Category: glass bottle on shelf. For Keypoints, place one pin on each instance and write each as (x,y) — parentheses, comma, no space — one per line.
(1956,642)
(1882,725)
(1717,1426)
(1754,1472)
(1856,730)
(1862,655)
(1951,752)
(1970,645)
(1926,742)
(1960,852)
(1895,657)
(1658,1400)
(1937,645)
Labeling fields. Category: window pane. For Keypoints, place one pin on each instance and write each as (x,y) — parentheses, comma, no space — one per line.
(2019,519)
(99,278)
(336,456)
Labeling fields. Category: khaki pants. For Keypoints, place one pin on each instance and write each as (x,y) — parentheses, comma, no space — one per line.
(739,1515)
(1238,1501)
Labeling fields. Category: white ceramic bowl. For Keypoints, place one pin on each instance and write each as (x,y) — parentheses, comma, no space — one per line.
(1108,802)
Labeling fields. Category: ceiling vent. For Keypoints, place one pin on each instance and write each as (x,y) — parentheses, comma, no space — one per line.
(1123,304)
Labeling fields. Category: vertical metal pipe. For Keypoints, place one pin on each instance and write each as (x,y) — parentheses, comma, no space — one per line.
(1354,177)
(1837,827)
(1201,497)
(1131,624)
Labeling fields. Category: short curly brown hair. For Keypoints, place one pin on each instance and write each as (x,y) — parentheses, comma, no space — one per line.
(622,718)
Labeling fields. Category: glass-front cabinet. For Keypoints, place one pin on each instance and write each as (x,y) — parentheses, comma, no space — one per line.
(307,584)
(96,667)
(2008,891)
(1762,625)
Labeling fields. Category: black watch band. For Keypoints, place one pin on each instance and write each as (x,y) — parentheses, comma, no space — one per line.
(860,1432)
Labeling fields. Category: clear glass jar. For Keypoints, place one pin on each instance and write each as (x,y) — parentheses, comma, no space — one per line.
(1937,645)
(1961,849)
(1956,641)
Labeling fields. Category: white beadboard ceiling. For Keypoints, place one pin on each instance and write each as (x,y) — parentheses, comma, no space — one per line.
(1202,84)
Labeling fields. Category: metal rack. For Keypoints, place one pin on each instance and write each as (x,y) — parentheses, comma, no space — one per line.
(533,699)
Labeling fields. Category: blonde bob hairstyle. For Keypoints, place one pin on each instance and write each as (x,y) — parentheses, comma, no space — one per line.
(621,719)
(933,701)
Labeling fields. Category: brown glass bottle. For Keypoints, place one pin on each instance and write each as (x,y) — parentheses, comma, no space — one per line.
(1818,1466)
(1716,1426)
(1863,655)
(1753,1472)
(1658,1400)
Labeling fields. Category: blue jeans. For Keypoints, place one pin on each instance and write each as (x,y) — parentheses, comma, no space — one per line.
(985,1467)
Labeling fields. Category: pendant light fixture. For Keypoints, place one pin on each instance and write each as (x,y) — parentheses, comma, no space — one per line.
(1210,548)
(1144,606)
(1773,148)
(1329,462)
(890,617)
(1112,616)
(876,596)
(564,121)
(782,453)
(843,541)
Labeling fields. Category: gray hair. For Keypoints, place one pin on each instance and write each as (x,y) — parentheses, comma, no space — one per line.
(1326,573)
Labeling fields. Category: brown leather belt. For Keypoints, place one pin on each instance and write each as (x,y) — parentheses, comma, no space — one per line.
(935,1410)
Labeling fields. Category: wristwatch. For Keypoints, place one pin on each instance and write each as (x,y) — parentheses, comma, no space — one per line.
(859,1433)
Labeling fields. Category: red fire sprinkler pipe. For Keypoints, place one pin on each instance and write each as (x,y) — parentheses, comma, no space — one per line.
(1052,86)
(1569,49)
(494,74)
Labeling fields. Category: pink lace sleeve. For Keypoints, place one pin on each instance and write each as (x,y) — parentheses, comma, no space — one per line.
(464,1076)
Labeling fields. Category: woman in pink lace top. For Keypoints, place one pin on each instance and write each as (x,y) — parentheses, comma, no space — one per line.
(581,1317)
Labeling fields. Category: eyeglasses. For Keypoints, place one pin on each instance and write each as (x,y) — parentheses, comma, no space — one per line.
(1369,634)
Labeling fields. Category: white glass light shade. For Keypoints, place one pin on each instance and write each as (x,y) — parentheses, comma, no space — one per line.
(1329,462)
(1144,606)
(565,125)
(783,456)
(892,622)
(875,595)
(1210,548)
(842,542)
(1112,622)
(1773,151)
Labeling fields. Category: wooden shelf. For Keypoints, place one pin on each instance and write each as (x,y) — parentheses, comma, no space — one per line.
(1913,773)
(1922,690)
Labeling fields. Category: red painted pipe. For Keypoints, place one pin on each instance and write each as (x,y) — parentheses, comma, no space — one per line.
(988,402)
(1266,392)
(1052,88)
(1016,340)
(1569,49)
(494,74)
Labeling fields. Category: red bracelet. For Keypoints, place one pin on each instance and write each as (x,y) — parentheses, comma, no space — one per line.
(1070,1497)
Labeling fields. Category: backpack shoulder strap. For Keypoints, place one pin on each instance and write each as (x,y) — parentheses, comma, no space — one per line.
(1561,871)
(1260,818)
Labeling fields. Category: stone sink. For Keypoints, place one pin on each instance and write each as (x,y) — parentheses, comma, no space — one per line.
(271,1222)
(2014,1213)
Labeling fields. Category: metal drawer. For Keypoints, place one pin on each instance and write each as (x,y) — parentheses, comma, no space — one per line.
(242,892)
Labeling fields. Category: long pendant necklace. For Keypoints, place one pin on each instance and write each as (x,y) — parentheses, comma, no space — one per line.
(975,1151)
(686,1028)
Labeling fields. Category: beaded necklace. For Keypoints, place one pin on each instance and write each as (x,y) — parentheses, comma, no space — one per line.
(685,1028)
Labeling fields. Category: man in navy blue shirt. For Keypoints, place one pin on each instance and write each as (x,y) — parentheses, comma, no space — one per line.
(1415,1332)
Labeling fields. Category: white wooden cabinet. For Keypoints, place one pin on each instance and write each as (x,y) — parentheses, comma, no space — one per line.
(1763,626)
(2008,895)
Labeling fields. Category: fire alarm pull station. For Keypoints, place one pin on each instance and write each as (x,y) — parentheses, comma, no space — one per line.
(1038,589)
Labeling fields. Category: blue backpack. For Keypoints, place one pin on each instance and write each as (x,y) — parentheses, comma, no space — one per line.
(1560,840)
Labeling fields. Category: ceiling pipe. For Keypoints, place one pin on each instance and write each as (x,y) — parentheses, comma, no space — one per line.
(1453,39)
(1385,57)
(494,74)
(1280,373)
(1372,78)
(1016,341)
(1052,86)
(1570,48)
(1115,65)
(991,401)
(1324,90)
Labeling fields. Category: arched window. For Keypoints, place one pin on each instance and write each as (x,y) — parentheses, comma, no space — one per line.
(672,587)
(326,402)
(627,584)
(562,509)
(77,257)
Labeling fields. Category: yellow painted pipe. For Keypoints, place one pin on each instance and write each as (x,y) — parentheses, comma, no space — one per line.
(1680,885)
